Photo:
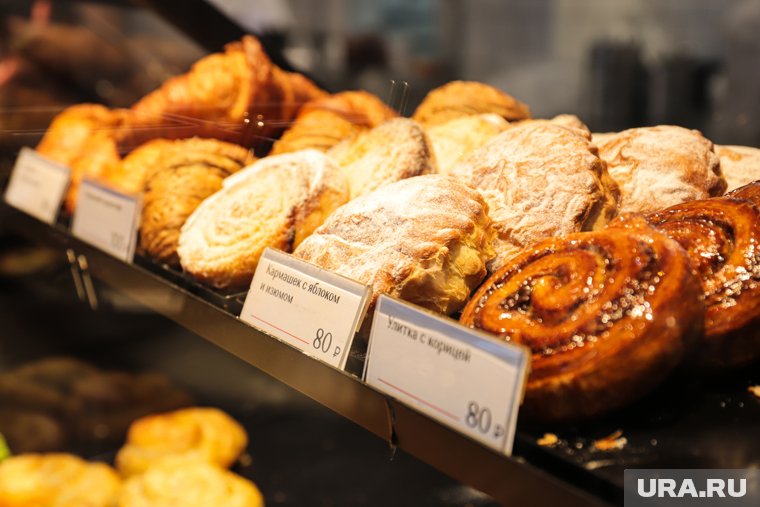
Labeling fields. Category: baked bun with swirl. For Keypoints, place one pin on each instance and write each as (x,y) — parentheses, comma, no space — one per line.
(606,314)
(722,239)
(539,180)
(276,202)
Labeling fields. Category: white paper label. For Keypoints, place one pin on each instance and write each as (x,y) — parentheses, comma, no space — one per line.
(37,185)
(463,378)
(107,219)
(316,311)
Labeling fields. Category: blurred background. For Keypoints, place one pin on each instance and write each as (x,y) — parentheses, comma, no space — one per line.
(615,64)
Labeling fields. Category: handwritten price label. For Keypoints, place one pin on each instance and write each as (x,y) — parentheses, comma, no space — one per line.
(463,378)
(107,219)
(37,185)
(314,310)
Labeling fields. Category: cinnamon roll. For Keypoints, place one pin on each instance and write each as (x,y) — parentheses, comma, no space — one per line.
(721,237)
(607,315)
(750,192)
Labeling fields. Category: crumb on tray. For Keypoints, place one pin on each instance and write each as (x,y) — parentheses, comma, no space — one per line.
(614,442)
(548,440)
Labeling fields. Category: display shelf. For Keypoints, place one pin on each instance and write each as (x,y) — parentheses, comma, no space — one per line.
(509,480)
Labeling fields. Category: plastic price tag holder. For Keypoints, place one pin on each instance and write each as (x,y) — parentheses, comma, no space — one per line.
(107,219)
(463,378)
(312,309)
(37,185)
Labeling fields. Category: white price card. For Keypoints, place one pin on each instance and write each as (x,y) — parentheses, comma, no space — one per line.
(107,219)
(463,378)
(315,310)
(37,185)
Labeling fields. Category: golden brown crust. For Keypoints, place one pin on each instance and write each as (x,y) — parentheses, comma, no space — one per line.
(276,202)
(83,138)
(325,121)
(606,314)
(539,180)
(750,192)
(238,96)
(56,480)
(657,167)
(455,139)
(721,237)
(394,150)
(183,483)
(465,98)
(203,434)
(179,175)
(563,120)
(423,239)
(740,165)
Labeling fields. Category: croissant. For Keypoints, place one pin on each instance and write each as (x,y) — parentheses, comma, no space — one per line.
(83,138)
(606,314)
(721,237)
(324,122)
(179,175)
(238,96)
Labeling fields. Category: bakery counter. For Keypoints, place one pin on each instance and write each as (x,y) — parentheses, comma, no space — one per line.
(509,480)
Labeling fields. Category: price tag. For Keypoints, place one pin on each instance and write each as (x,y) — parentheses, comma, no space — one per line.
(463,378)
(316,311)
(107,219)
(37,185)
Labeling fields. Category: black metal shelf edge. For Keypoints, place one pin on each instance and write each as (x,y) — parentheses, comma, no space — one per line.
(509,480)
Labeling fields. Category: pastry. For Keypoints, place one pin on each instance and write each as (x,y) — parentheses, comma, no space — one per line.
(750,192)
(658,167)
(205,434)
(392,151)
(56,480)
(182,483)
(455,139)
(180,175)
(238,96)
(325,121)
(740,164)
(563,120)
(606,315)
(425,240)
(539,180)
(721,237)
(276,202)
(82,137)
(464,98)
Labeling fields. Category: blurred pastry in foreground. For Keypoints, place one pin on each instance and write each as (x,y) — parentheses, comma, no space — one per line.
(182,174)
(721,237)
(189,483)
(425,240)
(56,480)
(465,98)
(276,202)
(606,314)
(455,139)
(539,180)
(658,167)
(740,165)
(392,151)
(204,434)
(324,122)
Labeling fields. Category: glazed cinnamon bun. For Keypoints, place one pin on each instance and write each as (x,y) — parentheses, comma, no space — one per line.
(722,239)
(607,315)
